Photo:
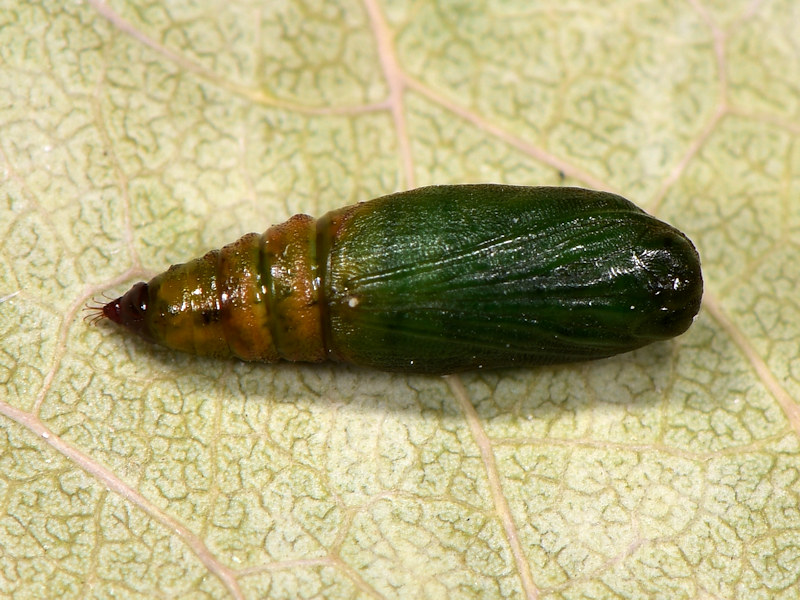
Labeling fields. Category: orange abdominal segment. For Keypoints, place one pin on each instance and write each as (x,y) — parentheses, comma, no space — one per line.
(295,323)
(245,310)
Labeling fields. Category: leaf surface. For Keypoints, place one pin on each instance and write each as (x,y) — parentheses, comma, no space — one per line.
(136,135)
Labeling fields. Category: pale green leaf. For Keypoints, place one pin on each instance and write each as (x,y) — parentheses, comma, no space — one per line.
(138,134)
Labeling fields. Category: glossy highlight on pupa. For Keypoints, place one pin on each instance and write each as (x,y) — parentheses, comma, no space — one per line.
(438,279)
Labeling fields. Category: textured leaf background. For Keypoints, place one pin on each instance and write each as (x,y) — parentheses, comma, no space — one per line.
(137,134)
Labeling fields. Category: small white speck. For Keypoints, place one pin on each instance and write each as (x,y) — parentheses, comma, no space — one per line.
(47,148)
(633,306)
(353,302)
(46,435)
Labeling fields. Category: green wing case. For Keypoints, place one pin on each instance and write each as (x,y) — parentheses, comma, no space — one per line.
(448,278)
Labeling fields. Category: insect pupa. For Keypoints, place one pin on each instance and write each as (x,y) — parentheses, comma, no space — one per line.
(438,279)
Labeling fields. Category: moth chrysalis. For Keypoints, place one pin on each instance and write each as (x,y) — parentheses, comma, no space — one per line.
(438,279)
